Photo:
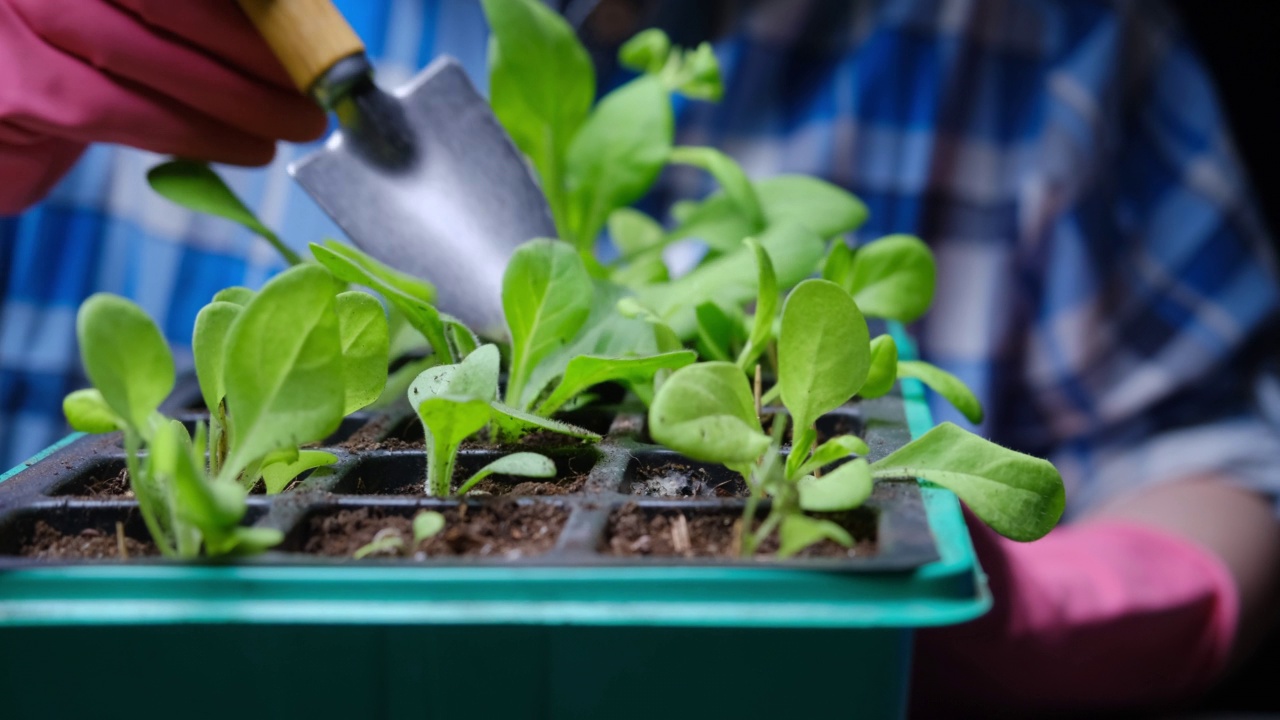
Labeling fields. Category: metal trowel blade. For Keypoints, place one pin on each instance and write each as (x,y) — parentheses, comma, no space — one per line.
(452,212)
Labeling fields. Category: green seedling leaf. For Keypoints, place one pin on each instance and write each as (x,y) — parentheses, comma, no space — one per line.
(641,272)
(427,524)
(617,155)
(844,488)
(945,384)
(88,412)
(766,307)
(418,311)
(386,541)
(463,341)
(546,295)
(126,358)
(586,371)
(707,412)
(523,464)
(824,208)
(284,367)
(209,346)
(475,377)
(634,233)
(798,532)
(235,295)
(509,422)
(832,450)
(411,285)
(276,475)
(252,540)
(824,350)
(884,367)
(893,277)
(737,187)
(645,52)
(838,265)
(716,221)
(700,77)
(731,280)
(1019,496)
(195,186)
(541,86)
(447,421)
(362,328)
(718,332)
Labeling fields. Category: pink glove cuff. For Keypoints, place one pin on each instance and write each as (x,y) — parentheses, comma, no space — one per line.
(1100,615)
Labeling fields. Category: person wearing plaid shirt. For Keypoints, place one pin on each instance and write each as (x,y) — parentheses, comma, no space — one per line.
(1105,282)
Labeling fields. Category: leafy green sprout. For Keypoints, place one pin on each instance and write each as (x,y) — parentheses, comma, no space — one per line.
(389,541)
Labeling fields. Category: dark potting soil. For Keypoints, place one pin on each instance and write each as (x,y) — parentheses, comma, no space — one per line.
(507,530)
(106,485)
(828,426)
(48,543)
(492,485)
(682,480)
(633,531)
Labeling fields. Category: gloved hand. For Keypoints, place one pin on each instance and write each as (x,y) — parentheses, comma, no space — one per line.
(181,77)
(1101,615)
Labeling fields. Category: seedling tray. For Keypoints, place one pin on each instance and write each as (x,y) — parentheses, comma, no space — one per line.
(591,632)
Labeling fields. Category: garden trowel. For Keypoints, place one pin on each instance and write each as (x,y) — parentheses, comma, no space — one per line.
(422,178)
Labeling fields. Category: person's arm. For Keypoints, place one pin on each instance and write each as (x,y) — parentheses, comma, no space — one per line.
(188,78)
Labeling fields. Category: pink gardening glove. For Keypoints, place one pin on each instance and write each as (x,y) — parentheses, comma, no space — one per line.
(180,77)
(1102,615)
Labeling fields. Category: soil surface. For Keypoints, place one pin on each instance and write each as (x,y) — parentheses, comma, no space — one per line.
(634,531)
(409,436)
(48,543)
(103,485)
(828,426)
(678,480)
(492,485)
(504,530)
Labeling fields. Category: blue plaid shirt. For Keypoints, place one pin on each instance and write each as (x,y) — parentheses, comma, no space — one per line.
(1102,268)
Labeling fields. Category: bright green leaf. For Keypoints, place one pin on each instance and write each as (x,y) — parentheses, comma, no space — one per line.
(844,488)
(634,233)
(235,295)
(546,295)
(645,52)
(382,543)
(362,328)
(209,347)
(276,475)
(707,412)
(826,209)
(1019,496)
(125,357)
(893,277)
(284,367)
(509,422)
(945,384)
(798,532)
(88,412)
(447,421)
(766,308)
(427,524)
(884,367)
(837,448)
(586,371)
(195,186)
(729,174)
(523,464)
(719,332)
(823,350)
(475,377)
(617,155)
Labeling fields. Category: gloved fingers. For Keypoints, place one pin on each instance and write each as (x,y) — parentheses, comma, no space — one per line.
(39,164)
(217,27)
(119,43)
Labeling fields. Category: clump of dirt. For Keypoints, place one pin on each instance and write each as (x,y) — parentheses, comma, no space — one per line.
(504,530)
(676,480)
(49,543)
(636,531)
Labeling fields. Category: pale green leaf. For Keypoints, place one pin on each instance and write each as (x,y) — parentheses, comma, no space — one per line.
(883,369)
(276,475)
(945,384)
(823,350)
(844,488)
(475,377)
(447,420)
(646,51)
(832,450)
(737,187)
(125,357)
(235,295)
(284,367)
(523,464)
(362,327)
(719,332)
(766,308)
(707,412)
(893,277)
(387,543)
(634,233)
(427,524)
(1019,496)
(826,209)
(586,371)
(798,532)
(209,348)
(88,412)
(512,422)
(547,296)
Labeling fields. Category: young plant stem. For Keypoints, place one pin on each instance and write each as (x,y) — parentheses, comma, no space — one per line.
(440,463)
(756,388)
(132,443)
(771,522)
(772,396)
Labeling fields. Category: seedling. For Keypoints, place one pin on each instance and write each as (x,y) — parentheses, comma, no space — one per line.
(279,369)
(389,541)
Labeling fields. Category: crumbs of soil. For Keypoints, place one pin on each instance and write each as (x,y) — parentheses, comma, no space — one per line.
(507,530)
(106,485)
(492,485)
(633,531)
(681,480)
(48,543)
(411,438)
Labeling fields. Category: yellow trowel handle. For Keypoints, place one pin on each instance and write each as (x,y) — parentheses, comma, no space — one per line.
(308,36)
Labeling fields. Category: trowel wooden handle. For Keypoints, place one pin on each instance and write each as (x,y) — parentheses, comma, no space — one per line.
(308,36)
